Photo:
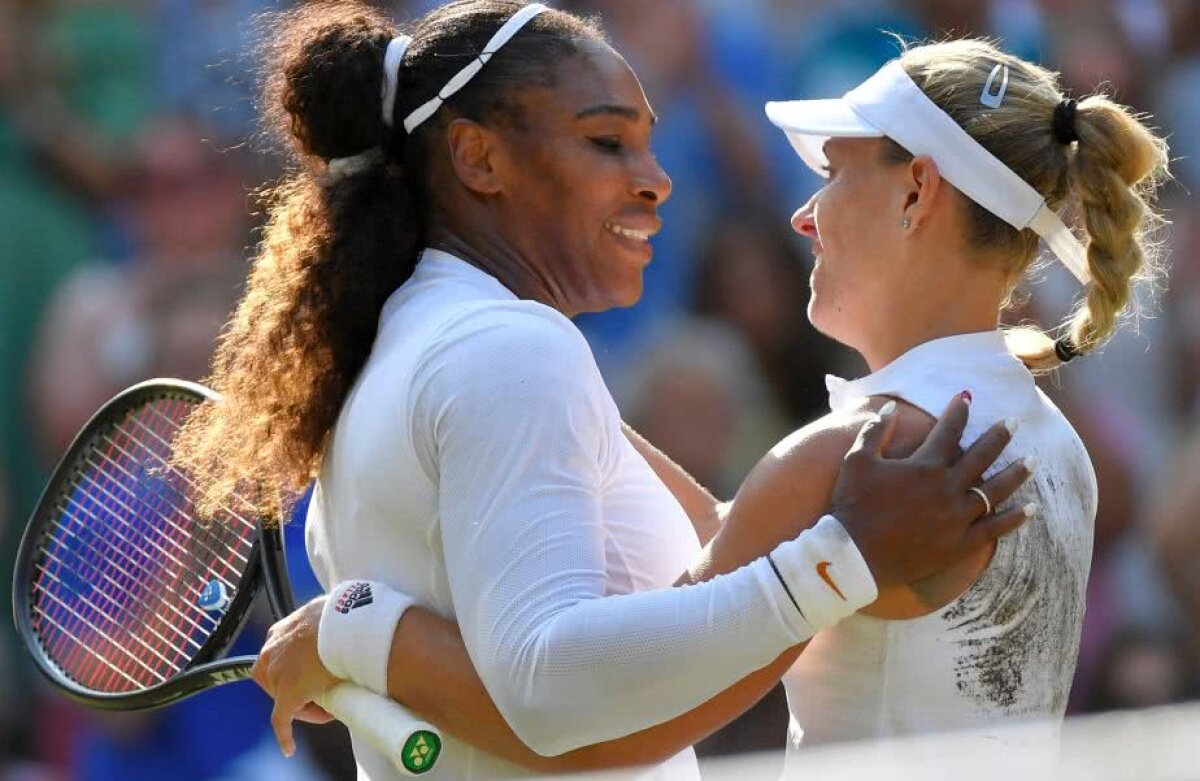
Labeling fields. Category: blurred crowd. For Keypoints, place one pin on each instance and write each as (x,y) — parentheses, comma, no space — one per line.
(129,155)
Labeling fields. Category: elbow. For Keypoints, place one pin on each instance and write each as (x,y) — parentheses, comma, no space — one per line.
(544,733)
(542,710)
(622,753)
(549,723)
(567,742)
(558,717)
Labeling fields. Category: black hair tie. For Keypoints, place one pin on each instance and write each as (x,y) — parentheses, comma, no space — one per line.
(1064,348)
(1064,121)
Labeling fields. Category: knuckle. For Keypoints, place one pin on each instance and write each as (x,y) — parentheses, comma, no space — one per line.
(275,676)
(930,471)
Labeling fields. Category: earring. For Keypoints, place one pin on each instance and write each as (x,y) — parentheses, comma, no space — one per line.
(906,223)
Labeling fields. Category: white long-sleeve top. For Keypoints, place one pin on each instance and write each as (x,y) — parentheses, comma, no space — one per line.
(478,464)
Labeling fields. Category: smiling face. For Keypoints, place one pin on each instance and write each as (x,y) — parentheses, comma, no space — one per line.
(854,222)
(581,187)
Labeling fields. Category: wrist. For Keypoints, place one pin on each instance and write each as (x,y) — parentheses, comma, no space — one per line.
(824,574)
(354,637)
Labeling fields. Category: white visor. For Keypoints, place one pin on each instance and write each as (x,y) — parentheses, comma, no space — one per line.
(891,104)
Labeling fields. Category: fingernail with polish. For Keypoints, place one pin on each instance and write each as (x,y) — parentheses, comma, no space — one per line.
(1030,463)
(1029,509)
(887,409)
(966,396)
(1012,424)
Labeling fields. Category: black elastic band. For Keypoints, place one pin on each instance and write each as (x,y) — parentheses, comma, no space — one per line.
(1064,121)
(787,590)
(1064,348)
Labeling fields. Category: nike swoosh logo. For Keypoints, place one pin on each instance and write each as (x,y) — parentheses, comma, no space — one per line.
(823,571)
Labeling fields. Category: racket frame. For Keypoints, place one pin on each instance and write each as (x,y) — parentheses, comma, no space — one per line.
(207,668)
(383,724)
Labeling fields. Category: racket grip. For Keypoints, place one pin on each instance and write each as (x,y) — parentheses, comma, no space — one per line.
(411,745)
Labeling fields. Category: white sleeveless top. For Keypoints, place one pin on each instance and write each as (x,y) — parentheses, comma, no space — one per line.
(1005,650)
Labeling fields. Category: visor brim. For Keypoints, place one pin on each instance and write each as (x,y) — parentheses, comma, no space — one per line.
(810,123)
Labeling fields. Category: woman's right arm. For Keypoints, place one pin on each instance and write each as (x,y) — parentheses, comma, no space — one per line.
(517,432)
(431,673)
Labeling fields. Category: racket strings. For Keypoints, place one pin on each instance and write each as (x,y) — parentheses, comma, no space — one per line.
(122,555)
(132,596)
(135,594)
(164,516)
(69,637)
(233,514)
(120,646)
(117,593)
(171,655)
(132,587)
(81,570)
(170,664)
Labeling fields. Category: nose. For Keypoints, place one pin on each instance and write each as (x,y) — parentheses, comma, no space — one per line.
(651,182)
(804,220)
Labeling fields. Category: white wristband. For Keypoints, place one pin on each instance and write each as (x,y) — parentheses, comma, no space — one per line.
(354,638)
(824,574)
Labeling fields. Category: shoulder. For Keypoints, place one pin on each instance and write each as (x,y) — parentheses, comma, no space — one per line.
(515,354)
(827,440)
(801,469)
(790,487)
(506,330)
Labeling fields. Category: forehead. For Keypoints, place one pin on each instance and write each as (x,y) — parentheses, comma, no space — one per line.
(596,77)
(852,148)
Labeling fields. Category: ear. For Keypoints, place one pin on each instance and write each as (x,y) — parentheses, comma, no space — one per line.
(924,187)
(472,150)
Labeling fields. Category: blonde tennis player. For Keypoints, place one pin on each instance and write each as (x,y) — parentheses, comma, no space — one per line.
(405,337)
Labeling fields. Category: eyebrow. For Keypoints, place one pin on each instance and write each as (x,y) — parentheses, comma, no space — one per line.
(628,112)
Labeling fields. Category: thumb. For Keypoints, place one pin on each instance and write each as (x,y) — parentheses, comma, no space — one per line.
(314,714)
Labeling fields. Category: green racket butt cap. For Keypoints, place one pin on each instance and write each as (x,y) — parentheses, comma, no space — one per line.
(421,752)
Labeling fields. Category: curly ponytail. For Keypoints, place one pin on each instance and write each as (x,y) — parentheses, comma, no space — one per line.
(339,242)
(332,251)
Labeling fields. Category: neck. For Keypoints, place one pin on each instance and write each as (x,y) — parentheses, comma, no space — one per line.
(965,308)
(500,259)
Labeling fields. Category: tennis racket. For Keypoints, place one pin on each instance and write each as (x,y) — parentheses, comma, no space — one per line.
(127,601)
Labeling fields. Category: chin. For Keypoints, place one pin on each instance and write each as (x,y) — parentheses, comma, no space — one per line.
(818,316)
(612,299)
(630,299)
(626,295)
(827,322)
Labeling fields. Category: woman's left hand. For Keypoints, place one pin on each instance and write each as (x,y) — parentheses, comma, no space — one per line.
(289,669)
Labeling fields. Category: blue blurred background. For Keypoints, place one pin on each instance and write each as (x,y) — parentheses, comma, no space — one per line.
(127,159)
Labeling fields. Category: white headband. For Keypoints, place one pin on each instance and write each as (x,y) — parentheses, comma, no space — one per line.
(891,104)
(460,79)
(391,74)
(396,48)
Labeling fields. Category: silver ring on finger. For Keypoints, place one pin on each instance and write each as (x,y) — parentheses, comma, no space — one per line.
(987,503)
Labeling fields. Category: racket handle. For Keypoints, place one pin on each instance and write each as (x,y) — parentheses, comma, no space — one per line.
(413,746)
